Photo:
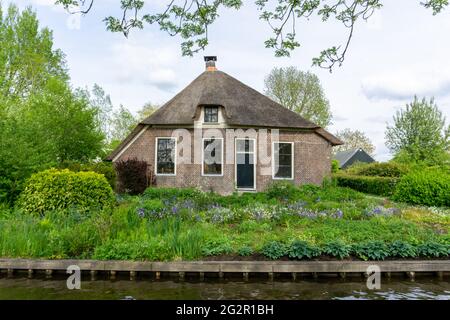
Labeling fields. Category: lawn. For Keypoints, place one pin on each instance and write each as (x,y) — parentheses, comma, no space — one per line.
(285,222)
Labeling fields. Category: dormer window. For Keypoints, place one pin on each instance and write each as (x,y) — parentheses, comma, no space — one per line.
(211,114)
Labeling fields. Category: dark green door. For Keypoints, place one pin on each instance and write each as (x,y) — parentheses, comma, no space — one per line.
(245,164)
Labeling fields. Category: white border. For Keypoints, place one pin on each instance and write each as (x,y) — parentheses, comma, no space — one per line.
(129,144)
(292,159)
(156,158)
(254,164)
(203,156)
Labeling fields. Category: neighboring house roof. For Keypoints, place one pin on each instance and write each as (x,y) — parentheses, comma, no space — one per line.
(243,107)
(345,157)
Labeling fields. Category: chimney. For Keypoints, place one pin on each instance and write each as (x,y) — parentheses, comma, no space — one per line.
(210,63)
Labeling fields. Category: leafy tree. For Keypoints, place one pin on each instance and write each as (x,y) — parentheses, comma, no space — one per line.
(147,110)
(354,139)
(27,57)
(419,134)
(300,92)
(101,101)
(64,121)
(190,19)
(123,123)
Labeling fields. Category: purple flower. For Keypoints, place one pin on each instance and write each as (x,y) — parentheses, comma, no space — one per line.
(141,212)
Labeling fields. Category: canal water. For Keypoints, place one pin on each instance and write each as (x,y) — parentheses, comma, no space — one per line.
(393,289)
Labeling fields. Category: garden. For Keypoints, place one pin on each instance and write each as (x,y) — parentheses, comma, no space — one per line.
(75,214)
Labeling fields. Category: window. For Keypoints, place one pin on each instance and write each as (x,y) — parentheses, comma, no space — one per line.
(212,157)
(165,156)
(283,156)
(211,114)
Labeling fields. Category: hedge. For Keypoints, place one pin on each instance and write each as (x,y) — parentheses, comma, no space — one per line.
(379,169)
(62,189)
(425,187)
(382,186)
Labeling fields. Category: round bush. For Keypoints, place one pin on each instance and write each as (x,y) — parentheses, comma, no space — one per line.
(61,189)
(425,187)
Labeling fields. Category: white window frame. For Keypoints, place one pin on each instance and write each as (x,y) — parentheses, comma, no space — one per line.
(292,156)
(156,158)
(203,157)
(254,164)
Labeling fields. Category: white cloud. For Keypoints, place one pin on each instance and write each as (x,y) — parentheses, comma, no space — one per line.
(134,63)
(404,84)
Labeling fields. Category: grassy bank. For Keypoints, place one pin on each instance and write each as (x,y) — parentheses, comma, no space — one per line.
(283,223)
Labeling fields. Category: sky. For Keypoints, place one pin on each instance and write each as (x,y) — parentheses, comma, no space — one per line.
(402,51)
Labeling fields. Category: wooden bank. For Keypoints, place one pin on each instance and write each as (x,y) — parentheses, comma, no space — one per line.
(219,269)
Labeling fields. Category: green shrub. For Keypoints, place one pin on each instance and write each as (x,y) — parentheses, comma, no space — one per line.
(337,249)
(402,249)
(217,247)
(382,186)
(172,193)
(425,187)
(274,250)
(245,251)
(301,249)
(105,168)
(371,250)
(379,169)
(282,190)
(335,166)
(62,189)
(433,250)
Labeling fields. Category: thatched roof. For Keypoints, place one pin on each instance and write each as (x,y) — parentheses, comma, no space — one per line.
(243,106)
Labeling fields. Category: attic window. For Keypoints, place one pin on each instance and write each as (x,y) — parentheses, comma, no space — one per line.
(211,114)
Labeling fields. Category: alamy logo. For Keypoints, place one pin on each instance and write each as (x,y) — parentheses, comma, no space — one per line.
(374,277)
(74,280)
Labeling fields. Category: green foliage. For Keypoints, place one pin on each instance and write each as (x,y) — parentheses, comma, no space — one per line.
(337,249)
(282,190)
(427,187)
(217,247)
(433,250)
(419,133)
(27,57)
(371,250)
(245,251)
(383,186)
(335,166)
(274,250)
(301,249)
(300,92)
(171,193)
(402,249)
(53,189)
(379,169)
(105,168)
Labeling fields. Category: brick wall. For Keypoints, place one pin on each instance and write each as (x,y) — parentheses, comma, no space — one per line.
(312,157)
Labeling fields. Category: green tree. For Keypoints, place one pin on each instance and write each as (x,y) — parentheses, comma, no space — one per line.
(190,19)
(123,122)
(64,122)
(27,56)
(354,139)
(300,92)
(419,133)
(147,110)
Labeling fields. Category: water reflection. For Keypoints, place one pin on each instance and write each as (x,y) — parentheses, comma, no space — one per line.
(393,289)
